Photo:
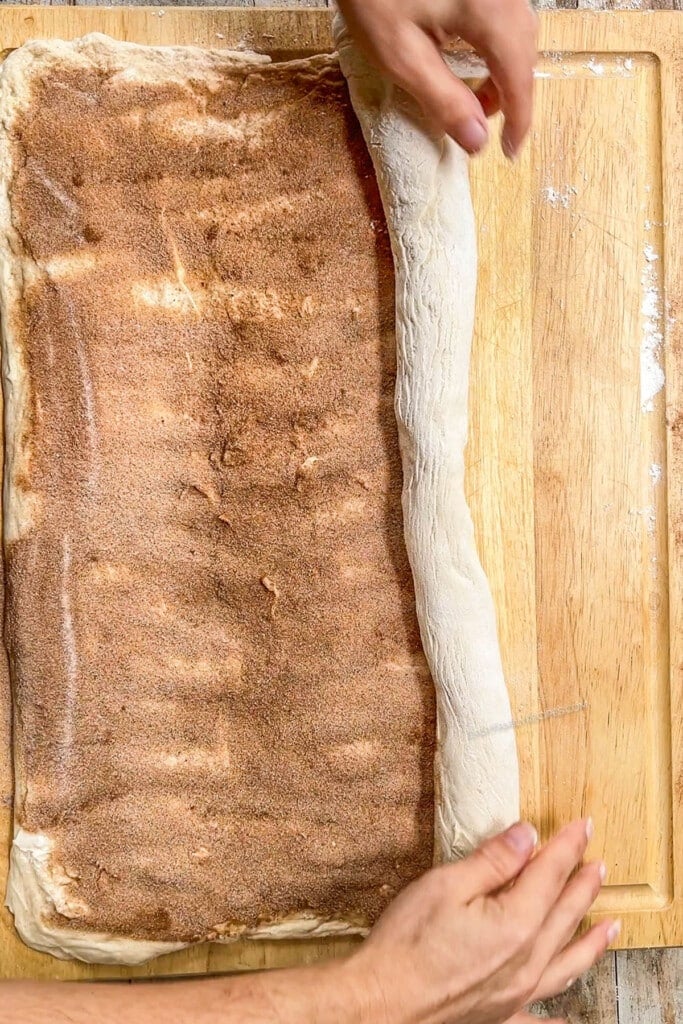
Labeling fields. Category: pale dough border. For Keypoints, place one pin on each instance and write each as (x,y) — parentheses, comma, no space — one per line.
(426,196)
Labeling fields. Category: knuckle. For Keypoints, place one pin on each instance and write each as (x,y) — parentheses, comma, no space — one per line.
(524,936)
(518,937)
(579,906)
(517,91)
(596,886)
(575,837)
(557,880)
(495,858)
(447,877)
(454,105)
(397,66)
(562,868)
(575,849)
(520,87)
(453,123)
(447,881)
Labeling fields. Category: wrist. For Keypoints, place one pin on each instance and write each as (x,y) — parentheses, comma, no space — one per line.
(342,991)
(371,990)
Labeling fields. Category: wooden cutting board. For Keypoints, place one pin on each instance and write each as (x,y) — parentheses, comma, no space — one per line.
(575,464)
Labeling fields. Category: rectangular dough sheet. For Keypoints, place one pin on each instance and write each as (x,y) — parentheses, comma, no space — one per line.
(224,721)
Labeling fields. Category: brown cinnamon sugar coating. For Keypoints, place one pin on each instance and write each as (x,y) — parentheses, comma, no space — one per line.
(225,714)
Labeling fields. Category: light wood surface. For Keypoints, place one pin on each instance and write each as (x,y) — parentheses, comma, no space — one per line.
(560,459)
(577,529)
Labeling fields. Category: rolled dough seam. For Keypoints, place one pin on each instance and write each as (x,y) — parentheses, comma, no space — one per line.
(424,185)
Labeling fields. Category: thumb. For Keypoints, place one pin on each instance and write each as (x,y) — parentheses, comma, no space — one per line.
(417,65)
(498,861)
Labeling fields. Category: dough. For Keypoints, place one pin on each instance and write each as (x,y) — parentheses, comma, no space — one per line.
(425,191)
(134,834)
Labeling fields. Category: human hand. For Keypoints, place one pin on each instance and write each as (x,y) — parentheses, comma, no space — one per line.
(404,39)
(477,941)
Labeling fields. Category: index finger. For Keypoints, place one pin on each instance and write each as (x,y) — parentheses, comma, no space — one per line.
(542,881)
(511,57)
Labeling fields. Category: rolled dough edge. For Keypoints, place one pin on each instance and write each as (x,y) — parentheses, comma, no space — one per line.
(35,891)
(424,183)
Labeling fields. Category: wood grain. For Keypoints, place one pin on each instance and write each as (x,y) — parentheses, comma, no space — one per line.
(630,5)
(638,986)
(592,999)
(180,3)
(650,986)
(598,715)
(577,536)
(44,3)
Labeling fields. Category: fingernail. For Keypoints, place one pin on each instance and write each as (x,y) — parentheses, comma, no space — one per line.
(570,983)
(508,148)
(589,829)
(602,871)
(522,837)
(613,931)
(473,136)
